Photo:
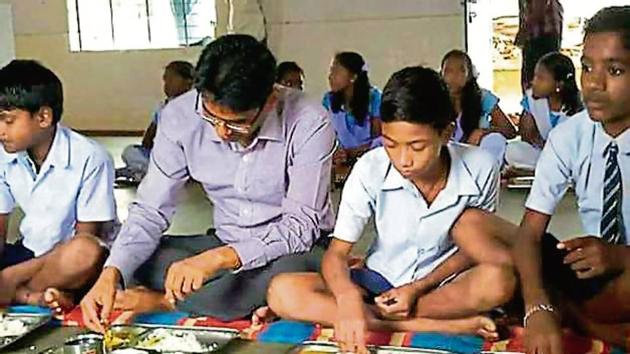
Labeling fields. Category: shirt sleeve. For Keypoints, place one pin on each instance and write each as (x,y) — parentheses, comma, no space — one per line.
(306,200)
(489,187)
(95,201)
(488,101)
(357,203)
(553,176)
(326,101)
(525,103)
(152,211)
(375,103)
(7,202)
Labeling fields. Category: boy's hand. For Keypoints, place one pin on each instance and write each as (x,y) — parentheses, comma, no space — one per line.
(97,304)
(591,256)
(351,326)
(543,334)
(398,303)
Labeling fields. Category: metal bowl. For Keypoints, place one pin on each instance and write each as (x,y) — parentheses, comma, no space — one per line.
(84,344)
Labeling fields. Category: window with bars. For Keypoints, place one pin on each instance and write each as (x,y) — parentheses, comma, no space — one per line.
(100,25)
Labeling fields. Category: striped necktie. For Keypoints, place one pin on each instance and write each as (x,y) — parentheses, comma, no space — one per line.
(611,227)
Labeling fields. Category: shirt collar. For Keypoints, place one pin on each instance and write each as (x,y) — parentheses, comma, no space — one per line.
(602,140)
(58,155)
(460,180)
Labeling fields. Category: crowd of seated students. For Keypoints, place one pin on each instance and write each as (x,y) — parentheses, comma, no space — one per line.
(423,159)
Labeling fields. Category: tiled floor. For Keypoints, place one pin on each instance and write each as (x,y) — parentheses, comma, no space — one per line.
(194,215)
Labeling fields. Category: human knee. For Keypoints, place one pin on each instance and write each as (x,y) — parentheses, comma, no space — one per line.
(281,294)
(83,252)
(497,285)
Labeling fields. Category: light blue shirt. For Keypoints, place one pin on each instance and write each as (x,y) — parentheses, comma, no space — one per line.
(488,102)
(75,183)
(413,238)
(576,154)
(350,133)
(545,118)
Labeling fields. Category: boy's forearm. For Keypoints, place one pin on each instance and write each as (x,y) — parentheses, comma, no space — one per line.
(528,260)
(455,264)
(336,274)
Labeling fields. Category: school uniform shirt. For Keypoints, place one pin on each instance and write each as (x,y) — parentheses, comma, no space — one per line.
(350,133)
(488,102)
(521,154)
(270,198)
(74,184)
(495,143)
(545,118)
(576,154)
(413,237)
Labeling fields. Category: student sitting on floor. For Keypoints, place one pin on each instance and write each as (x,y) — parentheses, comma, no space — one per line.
(178,79)
(354,106)
(62,181)
(588,277)
(480,121)
(554,97)
(429,196)
(289,74)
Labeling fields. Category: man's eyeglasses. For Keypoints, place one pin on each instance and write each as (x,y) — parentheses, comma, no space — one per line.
(239,128)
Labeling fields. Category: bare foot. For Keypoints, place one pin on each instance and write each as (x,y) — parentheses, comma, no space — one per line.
(57,300)
(263,315)
(477,325)
(140,300)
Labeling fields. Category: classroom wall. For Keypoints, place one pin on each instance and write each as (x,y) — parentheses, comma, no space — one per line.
(390,34)
(114,90)
(117,90)
(7,41)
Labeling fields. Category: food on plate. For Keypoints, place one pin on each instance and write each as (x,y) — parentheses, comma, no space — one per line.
(162,339)
(12,327)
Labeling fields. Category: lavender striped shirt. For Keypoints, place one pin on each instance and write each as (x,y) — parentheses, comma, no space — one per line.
(270,199)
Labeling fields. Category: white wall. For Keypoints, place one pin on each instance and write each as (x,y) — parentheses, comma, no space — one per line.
(112,90)
(390,34)
(117,90)
(7,41)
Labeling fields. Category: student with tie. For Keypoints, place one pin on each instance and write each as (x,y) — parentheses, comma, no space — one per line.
(584,281)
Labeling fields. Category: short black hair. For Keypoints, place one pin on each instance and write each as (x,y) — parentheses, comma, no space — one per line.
(183,69)
(28,85)
(417,95)
(238,71)
(287,67)
(611,19)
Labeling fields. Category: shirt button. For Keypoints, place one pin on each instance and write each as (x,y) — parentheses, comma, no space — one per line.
(246,158)
(245,212)
(421,251)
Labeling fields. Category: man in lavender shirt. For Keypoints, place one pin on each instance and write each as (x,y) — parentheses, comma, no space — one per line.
(263,156)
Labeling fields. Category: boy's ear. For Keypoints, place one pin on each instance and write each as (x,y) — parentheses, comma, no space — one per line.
(45,117)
